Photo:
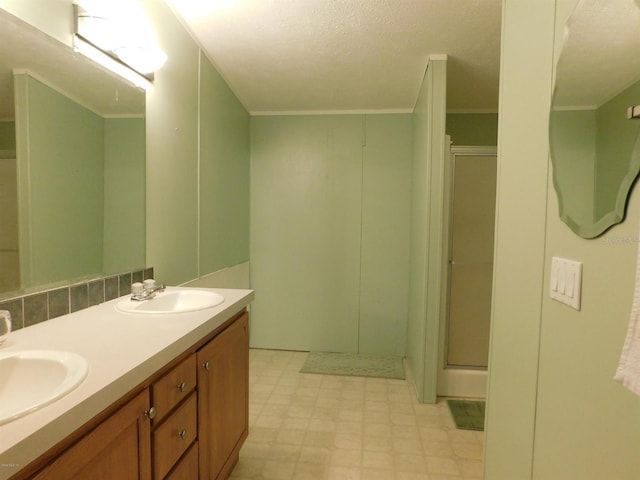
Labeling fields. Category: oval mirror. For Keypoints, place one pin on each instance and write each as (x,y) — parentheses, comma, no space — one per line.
(595,147)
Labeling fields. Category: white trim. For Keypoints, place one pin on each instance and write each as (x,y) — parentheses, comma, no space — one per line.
(462,382)
(571,108)
(471,111)
(123,115)
(330,112)
(438,56)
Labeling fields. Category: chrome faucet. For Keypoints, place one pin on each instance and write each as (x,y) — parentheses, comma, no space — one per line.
(146,290)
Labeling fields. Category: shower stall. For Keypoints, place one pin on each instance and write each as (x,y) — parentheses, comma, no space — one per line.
(470,199)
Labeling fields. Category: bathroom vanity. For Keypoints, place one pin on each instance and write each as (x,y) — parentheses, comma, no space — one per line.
(166,397)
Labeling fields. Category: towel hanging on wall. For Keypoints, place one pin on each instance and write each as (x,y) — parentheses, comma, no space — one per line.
(628,372)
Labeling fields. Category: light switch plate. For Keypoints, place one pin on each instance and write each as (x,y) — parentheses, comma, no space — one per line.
(565,284)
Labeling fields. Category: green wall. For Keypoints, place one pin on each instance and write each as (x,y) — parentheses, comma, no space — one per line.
(328,246)
(60,151)
(7,135)
(519,259)
(616,144)
(477,129)
(224,174)
(427,230)
(172,153)
(554,410)
(573,138)
(386,223)
(124,194)
(197,161)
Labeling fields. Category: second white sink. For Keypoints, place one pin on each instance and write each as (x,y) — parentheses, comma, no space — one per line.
(172,301)
(31,379)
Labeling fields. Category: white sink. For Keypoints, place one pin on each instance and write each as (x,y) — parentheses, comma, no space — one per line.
(172,301)
(31,379)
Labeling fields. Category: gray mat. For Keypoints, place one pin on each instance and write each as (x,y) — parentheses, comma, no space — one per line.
(354,364)
(467,414)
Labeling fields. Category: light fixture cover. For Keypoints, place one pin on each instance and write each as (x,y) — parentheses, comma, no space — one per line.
(120,30)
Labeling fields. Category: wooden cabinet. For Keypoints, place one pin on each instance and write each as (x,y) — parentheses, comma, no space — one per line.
(173,437)
(173,387)
(186,422)
(118,448)
(187,469)
(175,424)
(223,393)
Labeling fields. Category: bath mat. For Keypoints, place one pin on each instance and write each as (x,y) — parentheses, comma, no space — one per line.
(354,364)
(468,414)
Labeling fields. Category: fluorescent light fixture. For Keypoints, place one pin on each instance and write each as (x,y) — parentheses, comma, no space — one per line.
(120,31)
(110,63)
(143,60)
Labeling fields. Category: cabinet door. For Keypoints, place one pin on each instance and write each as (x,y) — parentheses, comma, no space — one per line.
(120,447)
(223,403)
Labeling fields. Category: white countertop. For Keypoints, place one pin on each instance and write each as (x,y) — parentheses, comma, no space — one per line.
(122,349)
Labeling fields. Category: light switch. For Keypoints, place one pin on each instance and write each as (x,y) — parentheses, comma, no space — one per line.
(562,277)
(565,284)
(569,282)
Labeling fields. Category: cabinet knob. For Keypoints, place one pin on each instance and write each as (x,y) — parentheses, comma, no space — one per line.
(182,387)
(206,365)
(151,413)
(182,434)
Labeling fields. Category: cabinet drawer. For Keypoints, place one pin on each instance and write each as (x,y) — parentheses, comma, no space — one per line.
(187,469)
(172,438)
(173,387)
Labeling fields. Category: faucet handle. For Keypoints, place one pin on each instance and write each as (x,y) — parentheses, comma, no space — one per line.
(149,284)
(5,325)
(137,288)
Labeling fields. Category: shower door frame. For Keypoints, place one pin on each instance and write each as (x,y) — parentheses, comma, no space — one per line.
(456,381)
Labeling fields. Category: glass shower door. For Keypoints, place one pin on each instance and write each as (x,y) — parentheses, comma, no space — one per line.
(471,260)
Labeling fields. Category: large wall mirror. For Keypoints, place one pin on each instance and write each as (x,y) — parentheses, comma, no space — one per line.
(72,164)
(595,149)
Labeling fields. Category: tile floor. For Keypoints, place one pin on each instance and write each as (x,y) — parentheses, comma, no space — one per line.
(324,427)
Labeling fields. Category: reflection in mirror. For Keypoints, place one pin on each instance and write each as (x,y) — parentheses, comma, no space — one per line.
(72,164)
(595,149)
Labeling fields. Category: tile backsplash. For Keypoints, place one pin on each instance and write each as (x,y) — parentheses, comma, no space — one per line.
(37,307)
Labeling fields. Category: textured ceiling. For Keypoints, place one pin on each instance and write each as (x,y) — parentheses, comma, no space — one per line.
(336,55)
(599,55)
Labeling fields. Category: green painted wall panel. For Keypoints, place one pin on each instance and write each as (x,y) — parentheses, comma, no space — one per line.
(386,209)
(579,351)
(523,167)
(419,241)
(172,152)
(306,176)
(224,174)
(427,230)
(60,147)
(124,194)
(477,129)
